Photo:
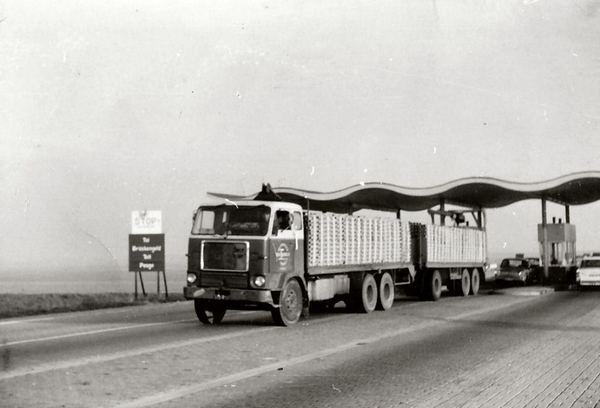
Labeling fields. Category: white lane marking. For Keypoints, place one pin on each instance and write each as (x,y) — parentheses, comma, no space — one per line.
(124,354)
(87,333)
(193,389)
(97,312)
(146,350)
(7,322)
(184,391)
(63,336)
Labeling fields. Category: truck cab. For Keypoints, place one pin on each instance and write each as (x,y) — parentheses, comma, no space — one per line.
(243,255)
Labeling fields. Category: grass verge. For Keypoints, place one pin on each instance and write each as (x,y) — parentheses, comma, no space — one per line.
(18,305)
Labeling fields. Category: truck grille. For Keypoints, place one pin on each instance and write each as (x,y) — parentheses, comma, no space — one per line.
(225,256)
(231,280)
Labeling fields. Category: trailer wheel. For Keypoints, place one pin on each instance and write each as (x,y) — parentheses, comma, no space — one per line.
(386,292)
(290,305)
(435,285)
(365,301)
(465,283)
(475,281)
(212,314)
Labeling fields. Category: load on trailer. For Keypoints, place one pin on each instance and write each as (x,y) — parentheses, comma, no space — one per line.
(277,256)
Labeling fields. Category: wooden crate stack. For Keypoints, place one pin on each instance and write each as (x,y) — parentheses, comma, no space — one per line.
(455,245)
(339,239)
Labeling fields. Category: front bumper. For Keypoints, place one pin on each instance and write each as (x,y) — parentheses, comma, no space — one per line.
(241,296)
(584,282)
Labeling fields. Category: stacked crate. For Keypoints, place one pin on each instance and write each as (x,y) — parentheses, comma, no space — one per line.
(339,239)
(455,245)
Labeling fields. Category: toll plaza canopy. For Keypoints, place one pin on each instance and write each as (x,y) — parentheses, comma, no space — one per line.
(472,192)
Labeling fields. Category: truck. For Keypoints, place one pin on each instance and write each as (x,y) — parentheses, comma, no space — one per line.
(281,257)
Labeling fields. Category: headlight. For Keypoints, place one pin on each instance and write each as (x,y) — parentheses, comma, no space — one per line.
(259,281)
(191,277)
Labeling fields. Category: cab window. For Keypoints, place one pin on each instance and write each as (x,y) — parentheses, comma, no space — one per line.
(297,223)
(281,222)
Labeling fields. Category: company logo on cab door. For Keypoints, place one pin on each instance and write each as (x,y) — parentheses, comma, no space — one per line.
(282,255)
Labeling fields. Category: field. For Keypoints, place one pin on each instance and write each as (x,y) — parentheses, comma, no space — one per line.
(18,305)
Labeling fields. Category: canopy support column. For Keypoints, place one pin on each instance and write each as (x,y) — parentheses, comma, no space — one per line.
(546,259)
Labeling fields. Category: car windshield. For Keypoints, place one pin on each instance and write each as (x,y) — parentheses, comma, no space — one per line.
(590,263)
(229,220)
(513,263)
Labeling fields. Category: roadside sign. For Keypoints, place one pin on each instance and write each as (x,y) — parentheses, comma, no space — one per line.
(146,222)
(146,252)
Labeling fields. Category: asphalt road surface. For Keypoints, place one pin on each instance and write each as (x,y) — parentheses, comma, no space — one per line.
(503,350)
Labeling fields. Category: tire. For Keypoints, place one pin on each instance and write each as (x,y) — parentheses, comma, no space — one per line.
(209,314)
(386,287)
(290,305)
(365,301)
(465,283)
(475,281)
(435,285)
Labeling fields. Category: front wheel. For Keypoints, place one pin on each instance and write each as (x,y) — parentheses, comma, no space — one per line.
(209,314)
(290,305)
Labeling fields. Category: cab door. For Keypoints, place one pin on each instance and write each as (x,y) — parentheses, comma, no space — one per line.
(286,243)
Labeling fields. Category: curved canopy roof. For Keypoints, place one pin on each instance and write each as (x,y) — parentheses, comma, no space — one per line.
(473,192)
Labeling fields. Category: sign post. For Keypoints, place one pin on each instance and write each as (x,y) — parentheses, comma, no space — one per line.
(147,248)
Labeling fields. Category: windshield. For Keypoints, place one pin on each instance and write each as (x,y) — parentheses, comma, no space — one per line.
(228,220)
(513,263)
(590,263)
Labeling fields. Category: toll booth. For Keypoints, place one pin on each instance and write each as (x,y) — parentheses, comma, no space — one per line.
(558,247)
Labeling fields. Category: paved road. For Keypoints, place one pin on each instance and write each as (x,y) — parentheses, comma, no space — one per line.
(508,350)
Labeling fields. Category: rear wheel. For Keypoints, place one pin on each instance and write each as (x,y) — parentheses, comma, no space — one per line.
(465,283)
(365,301)
(290,305)
(209,314)
(475,281)
(435,285)
(386,292)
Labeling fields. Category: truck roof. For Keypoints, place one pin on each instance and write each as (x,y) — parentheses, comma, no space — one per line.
(255,203)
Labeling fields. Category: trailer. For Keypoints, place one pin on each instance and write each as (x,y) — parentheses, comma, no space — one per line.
(283,258)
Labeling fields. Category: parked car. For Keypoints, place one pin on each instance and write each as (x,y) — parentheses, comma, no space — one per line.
(588,273)
(517,270)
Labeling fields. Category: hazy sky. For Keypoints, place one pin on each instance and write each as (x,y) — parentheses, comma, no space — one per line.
(113,106)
